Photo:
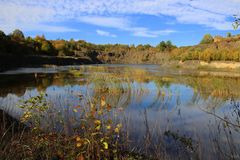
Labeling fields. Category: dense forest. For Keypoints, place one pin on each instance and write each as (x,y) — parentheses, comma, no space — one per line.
(210,48)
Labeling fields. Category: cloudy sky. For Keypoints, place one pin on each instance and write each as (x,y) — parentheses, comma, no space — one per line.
(120,21)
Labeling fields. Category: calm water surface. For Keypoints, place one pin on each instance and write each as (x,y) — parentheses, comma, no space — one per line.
(156,102)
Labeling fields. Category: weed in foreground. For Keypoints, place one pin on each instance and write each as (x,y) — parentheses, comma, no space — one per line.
(94,134)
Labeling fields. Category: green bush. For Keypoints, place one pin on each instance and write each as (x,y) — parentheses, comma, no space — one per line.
(207,39)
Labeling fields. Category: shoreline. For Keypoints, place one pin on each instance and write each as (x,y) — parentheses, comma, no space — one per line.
(195,64)
(11,62)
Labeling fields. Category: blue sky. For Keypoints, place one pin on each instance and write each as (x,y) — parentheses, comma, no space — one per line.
(184,22)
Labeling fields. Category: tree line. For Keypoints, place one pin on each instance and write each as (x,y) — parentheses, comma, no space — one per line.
(17,44)
(210,48)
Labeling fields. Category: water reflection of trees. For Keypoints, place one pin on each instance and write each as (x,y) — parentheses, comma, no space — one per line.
(119,80)
(18,84)
(214,90)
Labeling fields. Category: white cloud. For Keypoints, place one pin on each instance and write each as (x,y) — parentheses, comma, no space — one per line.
(210,13)
(35,27)
(144,32)
(40,14)
(105,33)
(28,18)
(111,22)
(123,24)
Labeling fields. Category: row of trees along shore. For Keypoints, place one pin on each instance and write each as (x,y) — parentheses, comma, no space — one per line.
(210,48)
(17,43)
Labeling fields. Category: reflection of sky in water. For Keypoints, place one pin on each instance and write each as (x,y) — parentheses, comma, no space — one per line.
(171,106)
(178,98)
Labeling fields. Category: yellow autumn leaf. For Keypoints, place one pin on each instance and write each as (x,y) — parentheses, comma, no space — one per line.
(116,130)
(108,127)
(100,112)
(103,102)
(97,122)
(78,138)
(105,144)
(78,145)
(98,128)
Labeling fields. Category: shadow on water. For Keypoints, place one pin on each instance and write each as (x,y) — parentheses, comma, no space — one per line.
(171,114)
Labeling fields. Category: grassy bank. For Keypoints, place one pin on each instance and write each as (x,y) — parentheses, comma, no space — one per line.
(196,64)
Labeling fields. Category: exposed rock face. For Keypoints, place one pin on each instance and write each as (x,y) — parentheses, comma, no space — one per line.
(218,39)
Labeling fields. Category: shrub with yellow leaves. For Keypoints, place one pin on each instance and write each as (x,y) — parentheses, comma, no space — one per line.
(93,136)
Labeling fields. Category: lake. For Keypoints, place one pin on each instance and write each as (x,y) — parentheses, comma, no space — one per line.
(163,111)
